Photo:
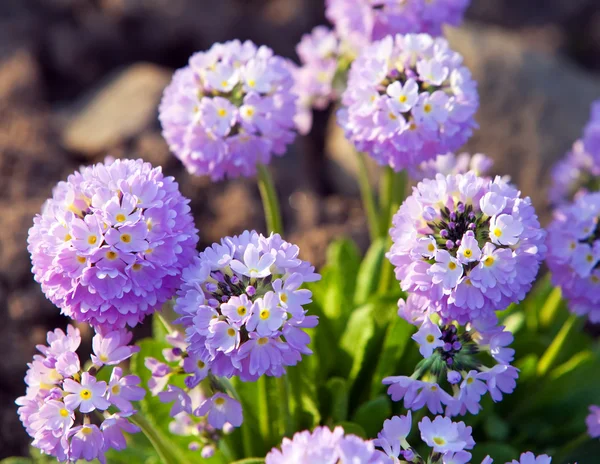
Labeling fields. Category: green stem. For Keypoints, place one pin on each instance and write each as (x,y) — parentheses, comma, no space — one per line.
(550,356)
(386,193)
(270,200)
(263,410)
(366,192)
(164,322)
(284,398)
(161,446)
(564,452)
(551,306)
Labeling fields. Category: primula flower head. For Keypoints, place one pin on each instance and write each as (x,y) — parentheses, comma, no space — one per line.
(450,163)
(109,246)
(57,405)
(593,422)
(409,98)
(326,446)
(467,246)
(229,109)
(242,307)
(358,22)
(574,254)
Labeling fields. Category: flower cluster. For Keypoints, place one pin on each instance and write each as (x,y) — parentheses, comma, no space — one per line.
(242,306)
(326,446)
(230,109)
(467,245)
(591,133)
(574,254)
(60,397)
(453,373)
(222,412)
(408,99)
(593,422)
(449,441)
(109,246)
(450,163)
(360,21)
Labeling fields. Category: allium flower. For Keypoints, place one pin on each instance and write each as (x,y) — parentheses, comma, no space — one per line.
(593,422)
(454,355)
(408,99)
(326,446)
(361,21)
(109,246)
(468,245)
(574,254)
(55,409)
(231,108)
(242,306)
(450,163)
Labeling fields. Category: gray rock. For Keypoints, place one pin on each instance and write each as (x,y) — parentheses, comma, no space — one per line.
(120,109)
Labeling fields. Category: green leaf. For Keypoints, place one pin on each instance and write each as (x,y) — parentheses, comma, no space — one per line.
(338,395)
(354,341)
(396,339)
(250,461)
(16,460)
(371,415)
(369,272)
(351,428)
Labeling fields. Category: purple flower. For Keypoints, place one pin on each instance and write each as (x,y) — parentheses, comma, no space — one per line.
(443,435)
(123,390)
(109,246)
(231,108)
(530,458)
(87,395)
(113,427)
(242,307)
(221,409)
(591,133)
(486,242)
(500,379)
(326,446)
(429,338)
(181,400)
(358,22)
(402,118)
(112,348)
(593,422)
(451,164)
(574,254)
(87,442)
(392,438)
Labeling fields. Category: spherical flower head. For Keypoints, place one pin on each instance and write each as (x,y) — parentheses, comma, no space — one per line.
(231,108)
(109,246)
(409,97)
(574,254)
(243,307)
(450,163)
(530,458)
(593,422)
(326,446)
(359,22)
(470,245)
(443,435)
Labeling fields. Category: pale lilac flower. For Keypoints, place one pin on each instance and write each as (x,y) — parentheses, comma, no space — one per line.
(87,395)
(591,133)
(392,438)
(443,435)
(87,442)
(180,399)
(221,409)
(593,422)
(453,164)
(482,263)
(112,348)
(113,427)
(530,458)
(122,390)
(429,338)
(109,246)
(231,108)
(408,99)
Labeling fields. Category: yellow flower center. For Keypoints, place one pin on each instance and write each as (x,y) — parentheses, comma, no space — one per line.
(392,116)
(86,430)
(434,388)
(149,224)
(222,112)
(54,375)
(264,314)
(468,253)
(572,245)
(111,255)
(241,310)
(116,389)
(220,401)
(81,259)
(103,358)
(470,380)
(430,338)
(427,108)
(64,413)
(249,112)
(126,238)
(402,98)
(85,394)
(451,265)
(230,332)
(412,126)
(589,258)
(201,364)
(251,83)
(488,261)
(67,237)
(439,441)
(497,232)
(149,250)
(431,247)
(283,297)
(223,83)
(262,340)
(595,279)
(136,266)
(120,217)
(92,239)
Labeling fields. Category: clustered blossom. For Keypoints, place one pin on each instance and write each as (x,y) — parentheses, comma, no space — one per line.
(453,377)
(325,445)
(450,163)
(222,412)
(231,108)
(361,21)
(60,396)
(409,98)
(109,246)
(574,254)
(591,133)
(242,306)
(466,246)
(319,54)
(593,422)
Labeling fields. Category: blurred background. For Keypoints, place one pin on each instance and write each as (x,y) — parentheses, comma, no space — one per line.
(80,79)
